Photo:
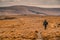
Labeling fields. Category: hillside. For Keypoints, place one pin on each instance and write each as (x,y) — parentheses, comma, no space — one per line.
(26,23)
(20,9)
(26,27)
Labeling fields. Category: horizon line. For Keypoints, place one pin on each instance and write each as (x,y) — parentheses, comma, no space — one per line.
(42,6)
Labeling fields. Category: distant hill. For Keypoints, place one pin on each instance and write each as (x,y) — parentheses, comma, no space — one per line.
(20,9)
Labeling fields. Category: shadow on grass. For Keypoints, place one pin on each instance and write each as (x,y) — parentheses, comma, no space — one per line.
(6,18)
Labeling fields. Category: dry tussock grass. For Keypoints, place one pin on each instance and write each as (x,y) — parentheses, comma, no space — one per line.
(27,28)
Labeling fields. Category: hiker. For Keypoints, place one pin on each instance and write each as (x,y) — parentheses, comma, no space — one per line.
(45,23)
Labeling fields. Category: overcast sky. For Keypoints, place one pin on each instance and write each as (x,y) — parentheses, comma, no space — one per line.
(39,3)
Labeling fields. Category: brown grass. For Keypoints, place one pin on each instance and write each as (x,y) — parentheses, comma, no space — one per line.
(27,27)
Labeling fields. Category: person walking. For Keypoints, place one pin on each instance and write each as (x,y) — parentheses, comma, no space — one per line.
(45,23)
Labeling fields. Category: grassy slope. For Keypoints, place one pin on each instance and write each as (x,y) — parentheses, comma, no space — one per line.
(27,27)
